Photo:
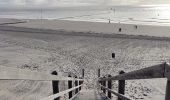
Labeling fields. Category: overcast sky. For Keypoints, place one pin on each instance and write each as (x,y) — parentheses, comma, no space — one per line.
(79,2)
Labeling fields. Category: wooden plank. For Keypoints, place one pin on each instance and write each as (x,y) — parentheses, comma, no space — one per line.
(104,96)
(157,71)
(89,94)
(8,73)
(74,96)
(60,93)
(115,93)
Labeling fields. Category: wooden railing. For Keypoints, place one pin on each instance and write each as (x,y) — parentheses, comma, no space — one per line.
(8,73)
(157,71)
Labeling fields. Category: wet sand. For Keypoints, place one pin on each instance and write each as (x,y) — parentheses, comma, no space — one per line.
(98,27)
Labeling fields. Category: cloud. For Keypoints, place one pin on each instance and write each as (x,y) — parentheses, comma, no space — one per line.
(47,3)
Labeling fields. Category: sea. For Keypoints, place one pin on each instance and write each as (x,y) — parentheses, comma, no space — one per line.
(143,14)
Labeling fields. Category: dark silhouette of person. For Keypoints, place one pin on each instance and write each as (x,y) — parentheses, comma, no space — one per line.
(120,29)
(109,20)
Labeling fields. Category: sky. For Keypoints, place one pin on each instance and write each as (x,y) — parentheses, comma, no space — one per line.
(51,3)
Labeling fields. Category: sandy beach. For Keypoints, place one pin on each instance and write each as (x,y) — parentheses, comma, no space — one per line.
(30,46)
(98,27)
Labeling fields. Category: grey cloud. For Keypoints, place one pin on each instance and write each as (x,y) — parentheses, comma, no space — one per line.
(77,2)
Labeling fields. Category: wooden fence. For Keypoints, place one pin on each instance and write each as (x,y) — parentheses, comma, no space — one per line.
(157,71)
(8,73)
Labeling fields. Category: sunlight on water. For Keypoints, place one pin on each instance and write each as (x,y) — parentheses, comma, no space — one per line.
(162,11)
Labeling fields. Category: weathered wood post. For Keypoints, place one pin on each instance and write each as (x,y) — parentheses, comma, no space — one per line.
(104,84)
(81,82)
(121,86)
(70,86)
(113,55)
(83,73)
(109,84)
(167,96)
(55,85)
(76,84)
(98,73)
(100,82)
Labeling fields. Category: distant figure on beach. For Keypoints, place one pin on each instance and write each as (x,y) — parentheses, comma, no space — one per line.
(120,29)
(130,18)
(109,20)
(136,26)
(114,11)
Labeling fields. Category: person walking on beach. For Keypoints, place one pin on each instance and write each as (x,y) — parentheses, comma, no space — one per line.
(120,29)
(109,20)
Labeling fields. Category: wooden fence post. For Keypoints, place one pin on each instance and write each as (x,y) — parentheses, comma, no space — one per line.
(70,86)
(121,87)
(113,55)
(76,84)
(55,85)
(100,82)
(83,73)
(167,97)
(109,84)
(81,82)
(98,73)
(104,84)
